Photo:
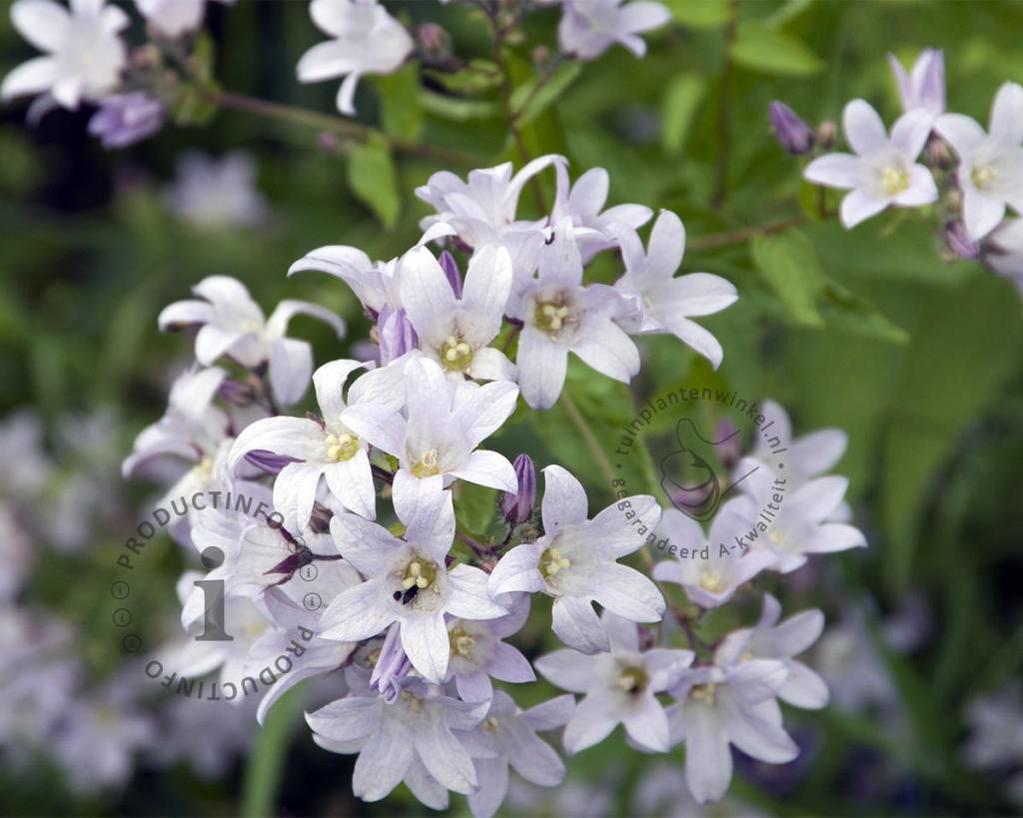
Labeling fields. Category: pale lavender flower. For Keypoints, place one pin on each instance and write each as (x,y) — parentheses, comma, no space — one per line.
(620,687)
(365,40)
(478,652)
(396,333)
(412,739)
(172,18)
(215,195)
(721,706)
(851,666)
(769,639)
(794,135)
(508,738)
(559,316)
(657,302)
(663,792)
(231,323)
(124,119)
(21,445)
(374,283)
(990,170)
(806,457)
(996,729)
(1004,251)
(883,170)
(16,553)
(590,27)
(392,665)
(583,202)
(456,331)
(517,507)
(576,562)
(436,443)
(710,567)
(407,581)
(924,86)
(327,448)
(84,56)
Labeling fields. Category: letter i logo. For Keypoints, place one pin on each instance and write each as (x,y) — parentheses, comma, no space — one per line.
(213,598)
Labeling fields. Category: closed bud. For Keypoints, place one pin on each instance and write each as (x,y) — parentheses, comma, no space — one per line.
(396,335)
(434,42)
(450,268)
(518,507)
(826,134)
(792,133)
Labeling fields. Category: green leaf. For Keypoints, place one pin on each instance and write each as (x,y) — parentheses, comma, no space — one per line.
(458,110)
(374,180)
(789,264)
(478,77)
(401,113)
(537,101)
(843,309)
(681,101)
(475,507)
(701,13)
(760,48)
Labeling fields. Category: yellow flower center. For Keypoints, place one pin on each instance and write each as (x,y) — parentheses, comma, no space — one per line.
(704,693)
(414,704)
(419,573)
(894,180)
(462,643)
(204,471)
(491,724)
(551,316)
(551,562)
(712,581)
(633,680)
(983,176)
(427,465)
(455,354)
(341,447)
(777,537)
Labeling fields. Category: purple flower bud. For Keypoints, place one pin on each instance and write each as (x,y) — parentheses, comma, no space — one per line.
(396,333)
(450,268)
(124,119)
(392,665)
(792,133)
(434,41)
(729,445)
(236,392)
(268,461)
(517,508)
(957,240)
(290,564)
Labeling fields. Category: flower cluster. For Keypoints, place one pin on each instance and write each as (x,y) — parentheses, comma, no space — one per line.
(370,489)
(930,156)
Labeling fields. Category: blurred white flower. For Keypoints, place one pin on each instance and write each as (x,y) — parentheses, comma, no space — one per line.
(84,56)
(590,27)
(172,18)
(366,40)
(213,194)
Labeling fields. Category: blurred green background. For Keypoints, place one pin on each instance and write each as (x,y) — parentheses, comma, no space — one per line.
(874,331)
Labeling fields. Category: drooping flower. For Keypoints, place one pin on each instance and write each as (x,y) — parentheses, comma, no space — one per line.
(412,739)
(172,18)
(456,331)
(883,170)
(559,316)
(437,442)
(84,56)
(124,119)
(990,170)
(769,639)
(576,562)
(327,449)
(924,86)
(508,734)
(366,40)
(721,706)
(590,27)
(621,687)
(408,581)
(658,302)
(709,566)
(231,323)
(212,194)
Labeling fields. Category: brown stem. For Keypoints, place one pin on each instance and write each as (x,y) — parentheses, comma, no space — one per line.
(742,234)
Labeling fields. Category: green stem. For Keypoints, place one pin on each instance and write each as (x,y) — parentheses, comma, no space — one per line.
(725,110)
(742,234)
(589,437)
(264,768)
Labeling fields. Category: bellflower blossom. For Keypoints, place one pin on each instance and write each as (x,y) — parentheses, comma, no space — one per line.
(588,28)
(408,581)
(658,302)
(924,86)
(576,562)
(366,40)
(124,119)
(621,687)
(172,18)
(212,194)
(478,652)
(883,170)
(990,170)
(231,323)
(84,56)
